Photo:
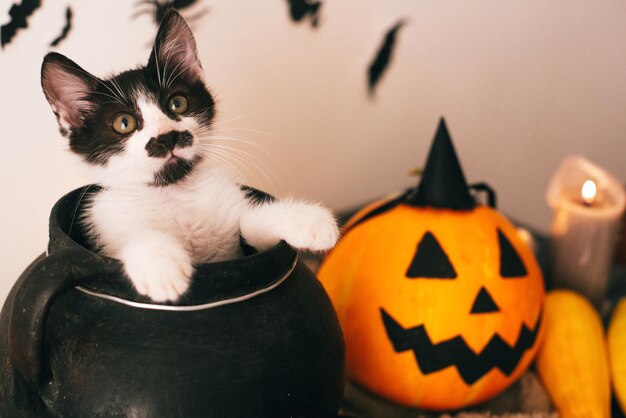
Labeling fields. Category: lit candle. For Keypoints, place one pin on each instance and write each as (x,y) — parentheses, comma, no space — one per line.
(589,192)
(587,204)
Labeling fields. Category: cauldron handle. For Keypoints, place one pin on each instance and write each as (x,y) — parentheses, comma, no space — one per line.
(48,278)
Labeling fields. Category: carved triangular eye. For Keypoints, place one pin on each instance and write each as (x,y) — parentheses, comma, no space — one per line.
(511,265)
(430,261)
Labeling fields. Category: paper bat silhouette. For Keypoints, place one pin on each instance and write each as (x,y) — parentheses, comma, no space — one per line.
(66,29)
(300,9)
(19,14)
(380,63)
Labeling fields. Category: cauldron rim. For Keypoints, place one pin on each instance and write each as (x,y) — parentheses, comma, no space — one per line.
(214,284)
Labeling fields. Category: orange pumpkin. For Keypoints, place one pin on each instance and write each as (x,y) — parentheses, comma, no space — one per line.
(439,298)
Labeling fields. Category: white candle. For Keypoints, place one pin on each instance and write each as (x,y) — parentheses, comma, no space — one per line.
(587,204)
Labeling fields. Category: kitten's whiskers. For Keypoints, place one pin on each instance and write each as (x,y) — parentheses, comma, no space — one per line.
(246,158)
(208,133)
(115,99)
(80,199)
(173,76)
(156,59)
(118,88)
(227,156)
(256,131)
(245,115)
(223,161)
(175,49)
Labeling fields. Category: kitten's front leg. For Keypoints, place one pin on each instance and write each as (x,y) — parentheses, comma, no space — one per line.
(303,225)
(157,265)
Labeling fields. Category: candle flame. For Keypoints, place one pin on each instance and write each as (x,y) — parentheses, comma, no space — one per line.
(589,192)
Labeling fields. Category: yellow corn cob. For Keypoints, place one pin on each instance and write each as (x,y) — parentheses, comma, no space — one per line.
(573,359)
(617,352)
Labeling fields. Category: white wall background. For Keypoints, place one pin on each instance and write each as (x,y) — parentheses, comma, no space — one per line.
(522,84)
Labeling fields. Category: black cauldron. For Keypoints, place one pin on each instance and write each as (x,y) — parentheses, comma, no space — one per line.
(255,337)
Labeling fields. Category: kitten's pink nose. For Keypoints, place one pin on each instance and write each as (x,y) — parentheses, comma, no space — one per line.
(165,127)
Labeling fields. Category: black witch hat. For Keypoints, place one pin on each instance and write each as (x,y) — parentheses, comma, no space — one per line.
(443,184)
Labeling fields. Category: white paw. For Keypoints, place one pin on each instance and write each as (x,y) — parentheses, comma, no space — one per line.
(161,273)
(309,227)
(302,225)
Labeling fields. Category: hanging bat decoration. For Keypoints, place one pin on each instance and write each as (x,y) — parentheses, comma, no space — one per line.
(19,14)
(159,8)
(66,29)
(300,9)
(380,63)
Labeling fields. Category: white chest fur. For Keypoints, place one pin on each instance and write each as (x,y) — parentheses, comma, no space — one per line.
(201,214)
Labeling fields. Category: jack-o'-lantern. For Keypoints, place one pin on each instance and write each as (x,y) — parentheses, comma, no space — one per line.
(439,298)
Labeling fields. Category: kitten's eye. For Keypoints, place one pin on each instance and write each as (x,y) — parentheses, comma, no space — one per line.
(124,123)
(177,104)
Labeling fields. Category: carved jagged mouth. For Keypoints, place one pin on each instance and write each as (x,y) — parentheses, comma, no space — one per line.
(455,351)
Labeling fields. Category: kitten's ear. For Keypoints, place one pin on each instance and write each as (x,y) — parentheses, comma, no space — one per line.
(68,89)
(175,53)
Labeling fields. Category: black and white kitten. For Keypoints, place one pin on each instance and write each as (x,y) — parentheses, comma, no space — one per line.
(164,206)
